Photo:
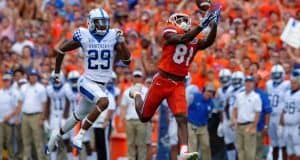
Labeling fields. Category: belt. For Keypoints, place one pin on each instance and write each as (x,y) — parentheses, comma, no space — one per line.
(171,76)
(31,114)
(245,123)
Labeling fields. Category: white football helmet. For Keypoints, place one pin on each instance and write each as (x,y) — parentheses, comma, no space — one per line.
(295,76)
(98,21)
(181,20)
(237,79)
(277,73)
(225,77)
(61,81)
(73,77)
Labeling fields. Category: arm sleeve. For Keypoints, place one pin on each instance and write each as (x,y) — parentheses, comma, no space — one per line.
(168,30)
(77,36)
(258,104)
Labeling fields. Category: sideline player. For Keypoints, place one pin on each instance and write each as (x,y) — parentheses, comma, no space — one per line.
(179,50)
(54,110)
(100,45)
(224,129)
(276,88)
(290,117)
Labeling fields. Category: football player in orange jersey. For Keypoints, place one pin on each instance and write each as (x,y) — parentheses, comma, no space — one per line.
(179,49)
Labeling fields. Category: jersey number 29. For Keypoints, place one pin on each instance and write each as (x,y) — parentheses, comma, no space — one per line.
(94,57)
(180,52)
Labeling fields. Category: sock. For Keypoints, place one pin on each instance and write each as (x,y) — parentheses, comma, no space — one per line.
(69,156)
(70,123)
(231,154)
(53,155)
(183,149)
(82,131)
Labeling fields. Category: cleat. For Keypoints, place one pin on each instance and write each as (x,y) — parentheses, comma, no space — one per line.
(77,141)
(53,142)
(189,156)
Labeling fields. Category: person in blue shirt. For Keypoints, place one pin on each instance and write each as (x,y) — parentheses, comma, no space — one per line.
(263,124)
(199,107)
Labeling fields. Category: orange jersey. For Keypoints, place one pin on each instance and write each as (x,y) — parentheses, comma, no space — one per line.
(176,58)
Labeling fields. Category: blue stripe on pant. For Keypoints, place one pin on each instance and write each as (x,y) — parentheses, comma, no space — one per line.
(86,93)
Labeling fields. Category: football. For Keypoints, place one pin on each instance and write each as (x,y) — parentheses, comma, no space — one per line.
(203,5)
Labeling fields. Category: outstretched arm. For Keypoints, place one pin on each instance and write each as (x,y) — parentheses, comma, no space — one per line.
(60,51)
(173,38)
(205,43)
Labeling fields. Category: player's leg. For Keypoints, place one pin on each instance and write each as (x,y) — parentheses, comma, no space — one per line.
(229,138)
(101,105)
(178,105)
(274,139)
(284,153)
(156,93)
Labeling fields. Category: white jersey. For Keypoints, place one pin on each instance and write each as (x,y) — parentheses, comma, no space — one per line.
(57,102)
(223,95)
(232,99)
(292,108)
(72,96)
(276,95)
(98,52)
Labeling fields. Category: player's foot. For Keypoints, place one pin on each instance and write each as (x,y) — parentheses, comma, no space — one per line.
(77,141)
(189,156)
(135,90)
(53,142)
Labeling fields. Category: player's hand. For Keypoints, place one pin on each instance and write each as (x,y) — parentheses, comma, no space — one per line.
(207,19)
(56,78)
(120,36)
(218,16)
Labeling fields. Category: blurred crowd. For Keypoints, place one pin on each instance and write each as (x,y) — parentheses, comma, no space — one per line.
(248,37)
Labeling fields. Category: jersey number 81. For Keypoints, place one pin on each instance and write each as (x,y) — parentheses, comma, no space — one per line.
(180,52)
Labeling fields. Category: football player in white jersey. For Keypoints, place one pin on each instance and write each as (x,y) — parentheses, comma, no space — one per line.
(100,45)
(223,95)
(290,117)
(276,88)
(54,110)
(226,129)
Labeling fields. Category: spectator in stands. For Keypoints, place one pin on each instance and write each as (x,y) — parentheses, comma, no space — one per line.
(21,42)
(33,97)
